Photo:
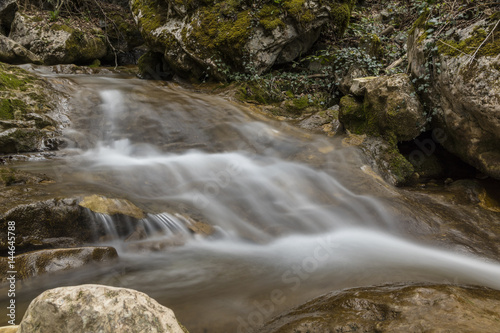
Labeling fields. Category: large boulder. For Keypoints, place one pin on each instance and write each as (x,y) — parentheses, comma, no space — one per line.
(57,43)
(462,88)
(395,308)
(201,38)
(96,308)
(35,263)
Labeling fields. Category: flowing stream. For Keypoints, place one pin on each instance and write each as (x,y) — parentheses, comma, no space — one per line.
(294,213)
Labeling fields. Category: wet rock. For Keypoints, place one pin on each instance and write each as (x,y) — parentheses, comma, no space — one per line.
(96,308)
(57,43)
(200,39)
(395,308)
(35,263)
(31,115)
(103,205)
(41,224)
(464,94)
(14,53)
(8,9)
(323,121)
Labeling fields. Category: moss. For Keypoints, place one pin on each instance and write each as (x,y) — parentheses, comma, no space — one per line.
(82,48)
(372,45)
(399,166)
(341,14)
(469,45)
(63,27)
(420,22)
(95,63)
(254,92)
(352,115)
(269,17)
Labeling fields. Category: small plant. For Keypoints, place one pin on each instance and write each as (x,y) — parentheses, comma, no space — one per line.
(53,15)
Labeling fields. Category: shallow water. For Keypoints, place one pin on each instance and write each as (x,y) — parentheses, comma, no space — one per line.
(295,214)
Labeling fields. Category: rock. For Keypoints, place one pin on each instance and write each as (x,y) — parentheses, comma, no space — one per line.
(395,308)
(96,308)
(371,45)
(347,80)
(9,329)
(387,109)
(103,205)
(31,115)
(38,223)
(57,43)
(358,85)
(14,53)
(35,263)
(200,39)
(8,9)
(464,98)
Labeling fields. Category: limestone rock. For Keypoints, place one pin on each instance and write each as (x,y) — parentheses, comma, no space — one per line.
(14,53)
(466,97)
(96,308)
(103,205)
(395,308)
(200,39)
(57,43)
(9,329)
(35,263)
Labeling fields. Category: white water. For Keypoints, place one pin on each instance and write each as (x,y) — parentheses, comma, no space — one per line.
(285,204)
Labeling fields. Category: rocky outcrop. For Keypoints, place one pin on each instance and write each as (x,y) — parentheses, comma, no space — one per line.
(35,263)
(462,89)
(96,308)
(388,110)
(395,308)
(30,116)
(57,43)
(201,39)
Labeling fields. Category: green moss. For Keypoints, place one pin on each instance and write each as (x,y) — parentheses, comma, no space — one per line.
(341,14)
(269,17)
(83,48)
(254,92)
(420,22)
(64,27)
(372,45)
(352,115)
(468,46)
(399,166)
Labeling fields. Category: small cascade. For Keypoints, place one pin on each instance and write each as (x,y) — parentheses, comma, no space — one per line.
(164,224)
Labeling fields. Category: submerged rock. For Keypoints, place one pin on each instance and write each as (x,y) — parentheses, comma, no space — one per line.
(199,39)
(463,92)
(35,263)
(96,308)
(395,308)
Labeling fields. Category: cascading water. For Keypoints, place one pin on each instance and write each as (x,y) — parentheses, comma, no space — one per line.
(293,210)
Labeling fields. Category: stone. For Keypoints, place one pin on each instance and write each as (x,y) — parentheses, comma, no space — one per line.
(395,308)
(465,97)
(14,53)
(8,9)
(202,39)
(57,43)
(103,205)
(9,329)
(35,263)
(358,86)
(97,308)
(39,224)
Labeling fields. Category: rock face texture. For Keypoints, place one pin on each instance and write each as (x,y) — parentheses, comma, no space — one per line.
(199,39)
(57,43)
(14,53)
(96,308)
(8,9)
(395,308)
(464,90)
(30,115)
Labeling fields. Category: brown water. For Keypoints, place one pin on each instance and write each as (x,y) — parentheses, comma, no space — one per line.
(297,214)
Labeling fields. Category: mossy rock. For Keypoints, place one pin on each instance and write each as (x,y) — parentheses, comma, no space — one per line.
(214,39)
